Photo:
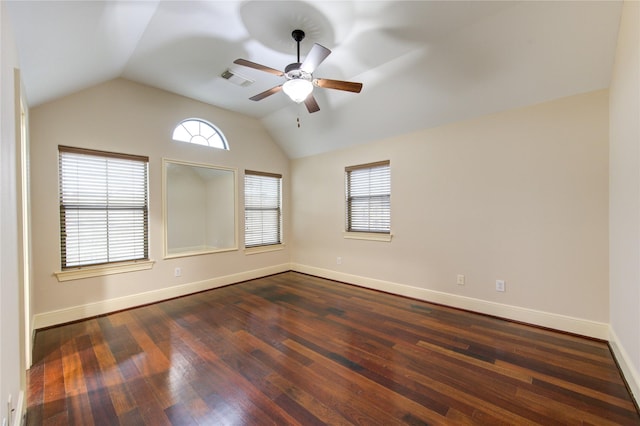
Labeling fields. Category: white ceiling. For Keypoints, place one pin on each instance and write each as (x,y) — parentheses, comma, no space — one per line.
(422,63)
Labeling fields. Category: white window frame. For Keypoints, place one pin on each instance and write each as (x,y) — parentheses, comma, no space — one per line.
(200,132)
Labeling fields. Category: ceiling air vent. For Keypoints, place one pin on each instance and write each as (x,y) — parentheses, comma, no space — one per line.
(236,79)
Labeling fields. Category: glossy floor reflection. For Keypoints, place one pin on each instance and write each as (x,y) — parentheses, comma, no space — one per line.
(295,349)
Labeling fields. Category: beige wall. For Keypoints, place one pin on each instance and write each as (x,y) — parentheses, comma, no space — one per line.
(123,116)
(520,196)
(625,197)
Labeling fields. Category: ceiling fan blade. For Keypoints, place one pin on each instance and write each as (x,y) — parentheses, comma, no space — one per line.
(347,86)
(266,93)
(316,55)
(312,105)
(258,67)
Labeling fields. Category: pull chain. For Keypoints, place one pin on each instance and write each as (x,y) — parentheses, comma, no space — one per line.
(298,120)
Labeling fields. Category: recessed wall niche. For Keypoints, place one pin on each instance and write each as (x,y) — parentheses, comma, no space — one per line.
(200,204)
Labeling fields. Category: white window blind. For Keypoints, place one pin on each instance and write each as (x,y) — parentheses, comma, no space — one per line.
(103,207)
(368,197)
(262,209)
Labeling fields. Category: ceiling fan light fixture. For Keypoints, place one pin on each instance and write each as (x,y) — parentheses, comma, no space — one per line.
(297,89)
(299,76)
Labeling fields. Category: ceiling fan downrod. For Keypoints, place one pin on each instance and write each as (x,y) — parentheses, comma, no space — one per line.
(298,36)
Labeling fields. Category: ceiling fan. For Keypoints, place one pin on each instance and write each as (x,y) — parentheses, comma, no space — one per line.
(299,76)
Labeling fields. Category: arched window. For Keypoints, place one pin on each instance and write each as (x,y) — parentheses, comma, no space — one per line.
(195,130)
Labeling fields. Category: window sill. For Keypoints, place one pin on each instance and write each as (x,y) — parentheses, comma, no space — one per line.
(102,270)
(197,252)
(371,236)
(263,249)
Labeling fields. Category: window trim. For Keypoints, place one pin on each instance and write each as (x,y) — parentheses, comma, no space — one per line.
(262,248)
(368,234)
(109,267)
(104,269)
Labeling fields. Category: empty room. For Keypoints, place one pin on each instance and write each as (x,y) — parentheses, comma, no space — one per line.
(319,212)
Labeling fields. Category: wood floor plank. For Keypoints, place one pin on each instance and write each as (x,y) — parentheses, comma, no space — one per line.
(121,400)
(374,404)
(54,400)
(580,391)
(292,349)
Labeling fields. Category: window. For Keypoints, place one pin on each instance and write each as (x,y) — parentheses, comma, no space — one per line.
(103,207)
(368,198)
(200,132)
(262,209)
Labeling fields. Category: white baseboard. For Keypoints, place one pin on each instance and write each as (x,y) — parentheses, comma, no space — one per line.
(545,319)
(631,375)
(20,410)
(74,313)
(565,323)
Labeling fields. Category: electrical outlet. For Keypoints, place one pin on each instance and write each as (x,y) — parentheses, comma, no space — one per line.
(177,272)
(460,279)
(339,260)
(500,285)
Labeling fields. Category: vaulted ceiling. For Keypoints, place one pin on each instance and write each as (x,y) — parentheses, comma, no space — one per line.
(422,63)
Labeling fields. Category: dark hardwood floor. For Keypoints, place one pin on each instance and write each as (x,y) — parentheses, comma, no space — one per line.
(294,349)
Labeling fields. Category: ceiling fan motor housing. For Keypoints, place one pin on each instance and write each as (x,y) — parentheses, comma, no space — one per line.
(293,72)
